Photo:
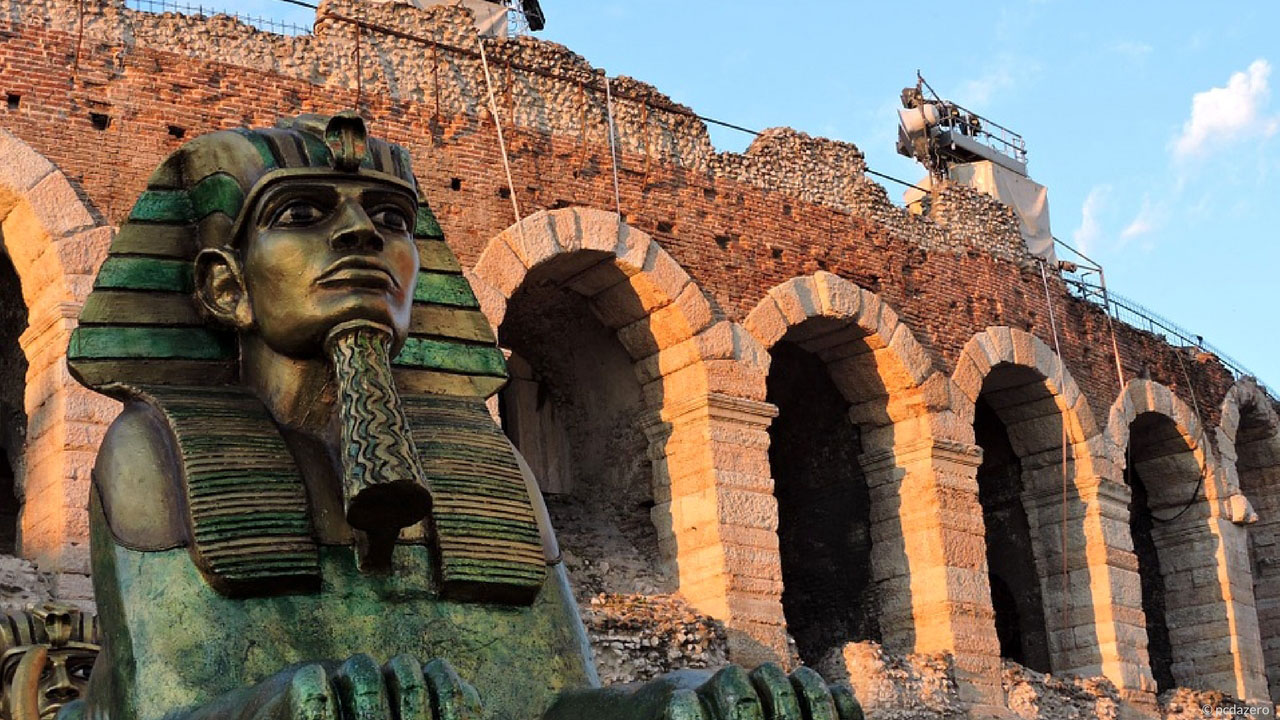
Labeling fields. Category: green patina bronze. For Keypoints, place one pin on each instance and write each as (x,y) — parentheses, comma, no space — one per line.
(305,511)
(519,657)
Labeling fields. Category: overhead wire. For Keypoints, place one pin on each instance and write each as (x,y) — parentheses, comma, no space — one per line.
(502,143)
(1057,348)
(613,150)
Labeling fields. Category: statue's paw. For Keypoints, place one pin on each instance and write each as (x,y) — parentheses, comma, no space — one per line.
(766,693)
(402,689)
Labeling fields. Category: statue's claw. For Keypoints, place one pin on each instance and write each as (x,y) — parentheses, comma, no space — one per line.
(407,689)
(729,695)
(361,690)
(451,698)
(776,693)
(309,695)
(846,704)
(815,697)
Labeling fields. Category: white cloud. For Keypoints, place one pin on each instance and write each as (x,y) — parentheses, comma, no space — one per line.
(978,92)
(1090,230)
(1221,115)
(1148,218)
(1132,49)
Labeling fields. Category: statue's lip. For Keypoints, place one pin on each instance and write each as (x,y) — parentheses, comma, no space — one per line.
(359,269)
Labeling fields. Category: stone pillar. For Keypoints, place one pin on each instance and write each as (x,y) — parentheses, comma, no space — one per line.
(1213,625)
(65,425)
(717,518)
(1095,623)
(929,556)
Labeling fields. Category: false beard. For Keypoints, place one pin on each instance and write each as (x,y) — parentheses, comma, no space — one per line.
(383,486)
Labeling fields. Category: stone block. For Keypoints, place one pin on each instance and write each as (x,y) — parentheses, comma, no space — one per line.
(661,281)
(797,299)
(766,322)
(592,229)
(23,168)
(533,240)
(501,268)
(60,211)
(838,297)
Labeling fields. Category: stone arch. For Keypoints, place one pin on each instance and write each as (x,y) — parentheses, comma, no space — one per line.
(56,243)
(1211,623)
(918,462)
(702,388)
(1060,493)
(1249,449)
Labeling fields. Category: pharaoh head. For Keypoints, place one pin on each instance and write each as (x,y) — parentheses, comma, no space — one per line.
(293,252)
(45,663)
(315,247)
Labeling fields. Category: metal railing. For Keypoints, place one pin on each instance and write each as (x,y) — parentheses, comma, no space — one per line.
(271,25)
(971,124)
(1136,315)
(518,21)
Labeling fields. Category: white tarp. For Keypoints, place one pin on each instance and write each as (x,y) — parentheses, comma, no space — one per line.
(1029,200)
(491,17)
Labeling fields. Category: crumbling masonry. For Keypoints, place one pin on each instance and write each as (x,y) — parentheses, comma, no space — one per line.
(794,415)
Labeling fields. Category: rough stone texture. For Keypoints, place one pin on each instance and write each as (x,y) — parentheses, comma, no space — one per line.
(638,637)
(1032,695)
(914,687)
(22,584)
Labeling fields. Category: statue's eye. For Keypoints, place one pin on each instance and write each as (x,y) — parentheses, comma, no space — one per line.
(297,214)
(392,218)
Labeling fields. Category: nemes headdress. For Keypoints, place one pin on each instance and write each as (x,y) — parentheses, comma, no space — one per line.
(141,325)
(141,337)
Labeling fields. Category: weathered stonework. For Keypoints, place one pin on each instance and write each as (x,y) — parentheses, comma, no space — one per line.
(716,262)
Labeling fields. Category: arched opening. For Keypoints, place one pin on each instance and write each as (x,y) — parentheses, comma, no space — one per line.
(574,408)
(824,506)
(1168,518)
(13,416)
(1017,424)
(1257,449)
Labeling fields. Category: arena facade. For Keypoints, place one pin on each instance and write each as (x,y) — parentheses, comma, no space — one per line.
(752,387)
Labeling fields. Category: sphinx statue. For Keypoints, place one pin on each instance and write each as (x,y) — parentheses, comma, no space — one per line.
(46,655)
(305,510)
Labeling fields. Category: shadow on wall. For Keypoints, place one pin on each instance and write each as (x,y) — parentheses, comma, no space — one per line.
(824,508)
(1030,517)
(573,408)
(1011,566)
(1177,555)
(13,416)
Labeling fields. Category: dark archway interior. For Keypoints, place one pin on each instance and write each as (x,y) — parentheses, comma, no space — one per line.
(573,408)
(1153,442)
(824,523)
(1142,525)
(1258,466)
(1011,567)
(13,416)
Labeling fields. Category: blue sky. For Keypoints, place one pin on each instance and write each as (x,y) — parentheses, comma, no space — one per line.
(1154,125)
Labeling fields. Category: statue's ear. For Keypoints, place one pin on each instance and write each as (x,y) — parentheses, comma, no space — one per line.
(220,288)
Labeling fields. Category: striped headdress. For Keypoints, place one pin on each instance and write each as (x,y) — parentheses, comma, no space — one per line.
(141,325)
(142,337)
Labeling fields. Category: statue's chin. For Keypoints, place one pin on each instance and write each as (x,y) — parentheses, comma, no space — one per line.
(305,341)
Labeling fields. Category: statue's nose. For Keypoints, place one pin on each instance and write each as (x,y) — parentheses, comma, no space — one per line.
(355,231)
(60,688)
